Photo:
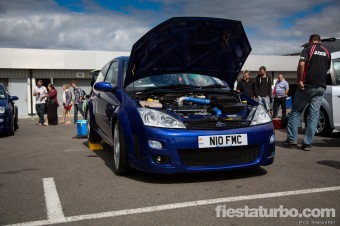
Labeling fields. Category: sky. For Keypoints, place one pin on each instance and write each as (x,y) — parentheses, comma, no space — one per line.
(273,27)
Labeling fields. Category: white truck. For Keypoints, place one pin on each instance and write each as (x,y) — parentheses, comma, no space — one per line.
(329,118)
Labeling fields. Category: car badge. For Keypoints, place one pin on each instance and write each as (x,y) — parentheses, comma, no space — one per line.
(220,124)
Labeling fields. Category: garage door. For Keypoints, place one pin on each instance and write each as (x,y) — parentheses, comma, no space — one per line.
(18,87)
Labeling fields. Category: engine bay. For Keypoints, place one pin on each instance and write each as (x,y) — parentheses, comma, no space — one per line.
(198,106)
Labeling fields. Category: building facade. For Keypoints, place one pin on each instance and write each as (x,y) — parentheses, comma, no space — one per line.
(21,68)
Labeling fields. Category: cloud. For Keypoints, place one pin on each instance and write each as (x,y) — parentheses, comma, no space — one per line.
(37,26)
(45,24)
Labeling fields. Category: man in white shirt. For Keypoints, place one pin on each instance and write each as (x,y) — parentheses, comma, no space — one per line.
(281,89)
(39,91)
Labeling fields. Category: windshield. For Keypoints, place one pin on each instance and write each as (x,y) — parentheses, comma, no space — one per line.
(2,93)
(176,81)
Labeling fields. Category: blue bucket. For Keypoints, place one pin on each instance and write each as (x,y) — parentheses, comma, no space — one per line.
(81,128)
(289,102)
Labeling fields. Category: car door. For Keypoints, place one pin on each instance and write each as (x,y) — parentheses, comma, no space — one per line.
(336,95)
(107,102)
(336,106)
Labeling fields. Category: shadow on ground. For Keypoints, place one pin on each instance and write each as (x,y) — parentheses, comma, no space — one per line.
(330,163)
(330,140)
(107,156)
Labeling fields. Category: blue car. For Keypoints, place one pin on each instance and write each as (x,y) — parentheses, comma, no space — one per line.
(8,112)
(168,108)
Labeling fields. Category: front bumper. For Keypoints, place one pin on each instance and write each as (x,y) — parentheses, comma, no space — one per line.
(4,122)
(180,152)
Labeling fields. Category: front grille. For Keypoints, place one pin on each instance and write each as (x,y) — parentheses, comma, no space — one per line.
(218,156)
(212,124)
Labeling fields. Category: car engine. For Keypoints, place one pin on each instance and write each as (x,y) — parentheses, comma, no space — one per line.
(200,111)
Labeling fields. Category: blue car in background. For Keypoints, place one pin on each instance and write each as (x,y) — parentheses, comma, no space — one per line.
(8,112)
(168,107)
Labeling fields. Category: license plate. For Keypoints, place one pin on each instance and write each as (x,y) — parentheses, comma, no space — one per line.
(222,140)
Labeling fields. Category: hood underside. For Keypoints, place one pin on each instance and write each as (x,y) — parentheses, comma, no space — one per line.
(208,46)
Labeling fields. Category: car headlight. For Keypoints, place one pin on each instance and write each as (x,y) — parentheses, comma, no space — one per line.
(159,119)
(259,115)
(2,110)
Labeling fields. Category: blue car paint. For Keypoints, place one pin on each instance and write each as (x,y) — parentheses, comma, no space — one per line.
(121,107)
(173,139)
(9,114)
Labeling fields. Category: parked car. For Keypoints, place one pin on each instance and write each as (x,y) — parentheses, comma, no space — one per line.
(168,107)
(329,117)
(94,74)
(8,112)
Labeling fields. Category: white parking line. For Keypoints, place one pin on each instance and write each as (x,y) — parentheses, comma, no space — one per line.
(59,218)
(53,204)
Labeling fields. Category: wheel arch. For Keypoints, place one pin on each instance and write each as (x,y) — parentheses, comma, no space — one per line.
(121,116)
(326,106)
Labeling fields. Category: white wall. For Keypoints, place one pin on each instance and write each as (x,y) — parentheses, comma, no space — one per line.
(88,60)
(272,63)
(55,59)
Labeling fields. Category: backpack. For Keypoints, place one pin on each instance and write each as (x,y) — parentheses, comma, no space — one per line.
(82,92)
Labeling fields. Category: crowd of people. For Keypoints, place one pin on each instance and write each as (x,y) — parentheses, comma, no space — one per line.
(264,91)
(46,101)
(313,65)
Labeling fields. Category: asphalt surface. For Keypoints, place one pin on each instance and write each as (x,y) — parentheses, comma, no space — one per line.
(90,193)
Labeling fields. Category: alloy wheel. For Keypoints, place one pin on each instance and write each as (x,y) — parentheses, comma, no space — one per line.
(321,123)
(116,146)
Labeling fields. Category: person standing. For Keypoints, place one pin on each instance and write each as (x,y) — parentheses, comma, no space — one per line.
(78,100)
(312,70)
(246,86)
(40,91)
(67,103)
(263,88)
(52,105)
(281,89)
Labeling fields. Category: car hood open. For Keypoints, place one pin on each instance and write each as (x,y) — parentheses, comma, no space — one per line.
(208,46)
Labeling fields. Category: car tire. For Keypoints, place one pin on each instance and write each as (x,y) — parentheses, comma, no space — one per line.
(11,128)
(323,127)
(120,159)
(92,135)
(16,120)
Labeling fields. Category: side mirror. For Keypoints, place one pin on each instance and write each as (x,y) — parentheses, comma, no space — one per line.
(104,87)
(14,98)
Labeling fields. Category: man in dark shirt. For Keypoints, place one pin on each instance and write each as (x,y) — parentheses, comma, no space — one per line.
(246,86)
(263,88)
(312,70)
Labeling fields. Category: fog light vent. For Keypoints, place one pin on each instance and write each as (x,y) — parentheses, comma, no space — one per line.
(161,159)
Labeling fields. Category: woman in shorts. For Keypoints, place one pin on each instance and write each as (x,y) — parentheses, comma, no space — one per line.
(67,103)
